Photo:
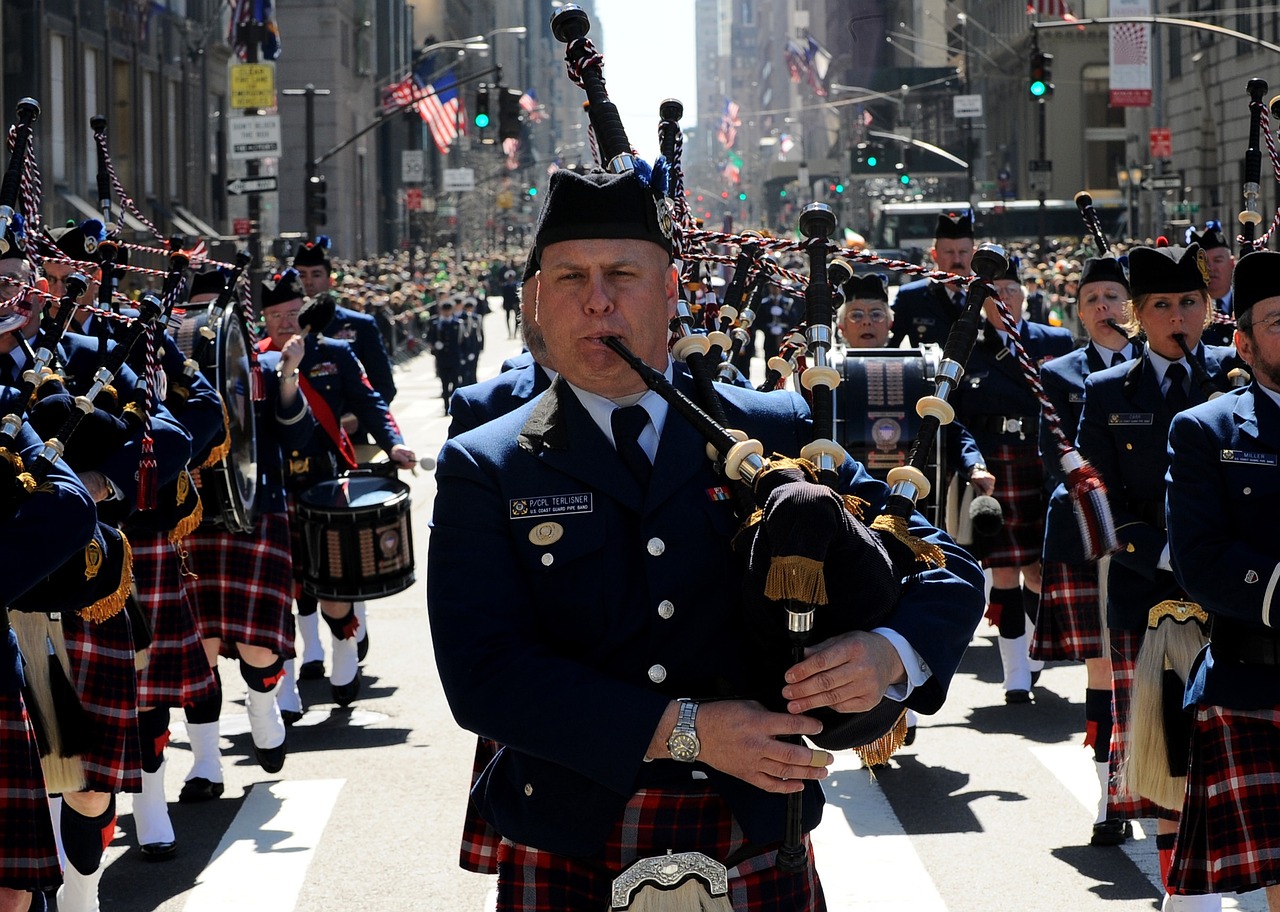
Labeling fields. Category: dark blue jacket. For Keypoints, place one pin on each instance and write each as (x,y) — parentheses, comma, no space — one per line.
(471,406)
(1223,500)
(277,431)
(923,313)
(361,330)
(1124,433)
(548,648)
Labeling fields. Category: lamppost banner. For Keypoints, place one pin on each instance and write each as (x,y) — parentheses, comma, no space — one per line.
(1130,56)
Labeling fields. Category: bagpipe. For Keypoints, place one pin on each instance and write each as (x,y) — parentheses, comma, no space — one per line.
(806,548)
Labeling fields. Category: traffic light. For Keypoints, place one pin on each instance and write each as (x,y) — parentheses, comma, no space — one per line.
(533,191)
(1040,83)
(482,108)
(868,158)
(510,115)
(315,200)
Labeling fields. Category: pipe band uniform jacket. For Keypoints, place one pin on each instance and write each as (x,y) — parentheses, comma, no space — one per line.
(923,312)
(568,609)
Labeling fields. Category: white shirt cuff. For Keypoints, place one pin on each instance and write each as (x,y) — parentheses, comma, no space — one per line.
(1163,563)
(917,669)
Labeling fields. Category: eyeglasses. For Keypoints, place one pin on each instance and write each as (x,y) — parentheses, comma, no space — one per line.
(280,317)
(875,316)
(1270,326)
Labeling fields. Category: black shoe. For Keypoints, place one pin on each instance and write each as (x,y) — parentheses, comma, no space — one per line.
(200,789)
(911,736)
(159,851)
(290,716)
(345,694)
(362,647)
(1111,833)
(311,671)
(271,759)
(1017,696)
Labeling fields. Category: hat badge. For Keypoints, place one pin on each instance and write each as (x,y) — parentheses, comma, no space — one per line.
(90,243)
(1202,263)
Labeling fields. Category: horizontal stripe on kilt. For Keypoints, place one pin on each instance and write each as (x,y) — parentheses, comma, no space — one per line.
(177,672)
(531,880)
(243,588)
(104,673)
(1229,834)
(28,855)
(1019,487)
(1069,623)
(1124,659)
(479,850)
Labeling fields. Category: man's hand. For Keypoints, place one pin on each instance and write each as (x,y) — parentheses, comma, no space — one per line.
(850,673)
(403,457)
(96,483)
(983,481)
(291,354)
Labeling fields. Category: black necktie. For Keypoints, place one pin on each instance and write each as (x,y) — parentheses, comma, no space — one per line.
(1176,396)
(627,424)
(8,369)
(1118,358)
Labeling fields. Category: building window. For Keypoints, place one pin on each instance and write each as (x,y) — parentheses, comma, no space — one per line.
(344,42)
(1175,44)
(57,113)
(92,106)
(149,133)
(1104,131)
(172,134)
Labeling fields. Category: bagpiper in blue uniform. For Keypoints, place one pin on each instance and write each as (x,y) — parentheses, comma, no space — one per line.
(924,310)
(1069,621)
(1123,433)
(1217,251)
(1223,498)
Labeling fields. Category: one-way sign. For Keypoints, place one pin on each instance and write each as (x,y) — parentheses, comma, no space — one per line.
(1163,182)
(243,185)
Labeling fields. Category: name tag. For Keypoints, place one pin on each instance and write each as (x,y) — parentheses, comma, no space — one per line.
(550,505)
(1248,458)
(1119,419)
(1075,397)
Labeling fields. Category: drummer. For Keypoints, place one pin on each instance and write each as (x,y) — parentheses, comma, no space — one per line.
(863,319)
(334,384)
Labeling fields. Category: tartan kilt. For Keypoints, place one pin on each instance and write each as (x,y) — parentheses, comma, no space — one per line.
(479,850)
(243,590)
(1069,624)
(1124,659)
(531,880)
(105,676)
(1020,489)
(1229,834)
(28,855)
(177,672)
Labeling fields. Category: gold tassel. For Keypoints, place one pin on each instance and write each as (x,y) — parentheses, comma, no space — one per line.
(797,578)
(897,527)
(856,506)
(219,453)
(192,520)
(878,752)
(111,605)
(13,459)
(28,482)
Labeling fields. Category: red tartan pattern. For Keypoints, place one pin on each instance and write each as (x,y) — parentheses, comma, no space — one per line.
(1124,657)
(243,592)
(1069,624)
(479,850)
(104,674)
(1229,835)
(531,880)
(1020,489)
(28,856)
(177,672)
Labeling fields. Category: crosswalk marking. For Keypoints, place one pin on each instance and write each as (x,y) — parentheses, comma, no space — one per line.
(262,860)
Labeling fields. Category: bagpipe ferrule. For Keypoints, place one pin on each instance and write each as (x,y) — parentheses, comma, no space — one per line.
(719,339)
(689,345)
(827,455)
(780,365)
(51,452)
(622,163)
(799,623)
(744,460)
(820,375)
(936,406)
(909,482)
(818,336)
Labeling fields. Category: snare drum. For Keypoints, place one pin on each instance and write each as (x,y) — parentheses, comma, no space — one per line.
(876,419)
(357,539)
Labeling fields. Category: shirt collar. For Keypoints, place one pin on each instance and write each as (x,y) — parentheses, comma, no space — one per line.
(1161,364)
(601,411)
(1107,353)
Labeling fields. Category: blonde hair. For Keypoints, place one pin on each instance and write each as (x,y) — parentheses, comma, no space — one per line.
(1135,306)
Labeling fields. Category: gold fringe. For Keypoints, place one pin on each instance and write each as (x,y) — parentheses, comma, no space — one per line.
(110,390)
(111,605)
(28,482)
(797,578)
(856,506)
(219,453)
(878,752)
(777,461)
(49,378)
(13,459)
(189,523)
(897,527)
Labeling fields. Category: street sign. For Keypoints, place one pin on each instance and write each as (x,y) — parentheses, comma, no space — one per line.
(253,85)
(966,106)
(1161,142)
(242,185)
(253,137)
(447,210)
(1040,176)
(1163,182)
(1040,164)
(413,166)
(413,199)
(457,180)
(242,227)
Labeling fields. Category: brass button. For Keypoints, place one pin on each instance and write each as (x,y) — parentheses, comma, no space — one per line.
(528,790)
(1130,548)
(548,559)
(666,609)
(1248,490)
(656,546)
(1128,446)
(657,674)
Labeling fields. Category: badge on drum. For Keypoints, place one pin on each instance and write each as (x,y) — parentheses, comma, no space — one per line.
(546,534)
(389,543)
(886,432)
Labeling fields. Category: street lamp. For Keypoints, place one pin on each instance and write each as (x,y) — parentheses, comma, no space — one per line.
(1130,180)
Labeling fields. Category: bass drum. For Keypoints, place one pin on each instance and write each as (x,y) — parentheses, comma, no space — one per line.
(876,420)
(228,484)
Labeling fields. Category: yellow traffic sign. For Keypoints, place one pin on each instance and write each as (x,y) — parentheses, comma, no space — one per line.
(505,200)
(253,85)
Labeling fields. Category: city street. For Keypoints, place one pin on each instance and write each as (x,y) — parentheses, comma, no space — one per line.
(990,809)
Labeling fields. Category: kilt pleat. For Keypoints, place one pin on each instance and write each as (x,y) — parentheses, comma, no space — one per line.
(531,880)
(1020,489)
(177,672)
(243,590)
(1069,625)
(104,674)
(480,841)
(1229,834)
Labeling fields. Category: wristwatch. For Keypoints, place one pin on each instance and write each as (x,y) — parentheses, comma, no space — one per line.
(683,744)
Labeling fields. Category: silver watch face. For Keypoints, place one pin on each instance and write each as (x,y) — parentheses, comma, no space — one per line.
(684,746)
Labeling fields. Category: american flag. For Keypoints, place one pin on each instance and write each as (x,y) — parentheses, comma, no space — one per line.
(242,13)
(441,108)
(398,95)
(1052,9)
(729,124)
(529,104)
(511,149)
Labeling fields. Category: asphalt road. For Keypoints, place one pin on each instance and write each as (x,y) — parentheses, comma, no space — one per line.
(990,809)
